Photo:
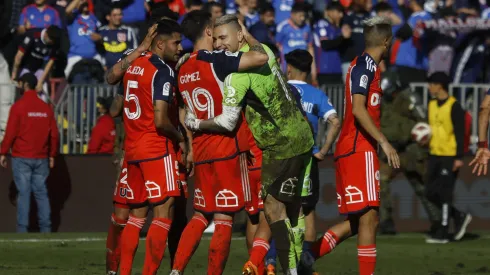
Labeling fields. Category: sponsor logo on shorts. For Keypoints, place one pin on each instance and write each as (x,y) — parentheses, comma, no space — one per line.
(376,175)
(288,187)
(199,198)
(353,195)
(339,200)
(153,190)
(226,198)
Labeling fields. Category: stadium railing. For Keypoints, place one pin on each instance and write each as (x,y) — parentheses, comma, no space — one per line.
(76,113)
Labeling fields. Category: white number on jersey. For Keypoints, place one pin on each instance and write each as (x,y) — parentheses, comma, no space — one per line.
(375,100)
(196,104)
(277,73)
(132,84)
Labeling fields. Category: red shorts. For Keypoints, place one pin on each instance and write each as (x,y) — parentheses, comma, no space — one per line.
(357,179)
(153,181)
(122,190)
(222,186)
(256,203)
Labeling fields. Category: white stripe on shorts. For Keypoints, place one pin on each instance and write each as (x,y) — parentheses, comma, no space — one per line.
(370,182)
(169,169)
(244,176)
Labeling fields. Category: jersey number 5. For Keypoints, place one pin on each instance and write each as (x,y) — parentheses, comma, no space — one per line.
(131,84)
(195,103)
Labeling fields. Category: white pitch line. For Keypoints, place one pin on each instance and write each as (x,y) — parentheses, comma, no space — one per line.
(84,240)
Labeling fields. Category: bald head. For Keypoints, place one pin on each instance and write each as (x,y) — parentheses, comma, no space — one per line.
(377,31)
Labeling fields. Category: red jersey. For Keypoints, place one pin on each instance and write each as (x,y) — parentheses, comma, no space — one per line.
(103,136)
(363,77)
(146,80)
(255,150)
(201,86)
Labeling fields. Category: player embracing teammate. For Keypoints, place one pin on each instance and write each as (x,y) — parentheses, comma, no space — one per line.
(356,160)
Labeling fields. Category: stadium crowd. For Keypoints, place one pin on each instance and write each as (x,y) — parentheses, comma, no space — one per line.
(435,41)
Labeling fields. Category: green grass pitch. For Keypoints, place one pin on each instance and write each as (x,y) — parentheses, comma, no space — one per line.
(405,254)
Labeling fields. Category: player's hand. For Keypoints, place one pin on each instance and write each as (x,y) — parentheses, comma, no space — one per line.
(480,161)
(145,45)
(182,60)
(191,121)
(319,156)
(391,154)
(3,161)
(245,32)
(51,163)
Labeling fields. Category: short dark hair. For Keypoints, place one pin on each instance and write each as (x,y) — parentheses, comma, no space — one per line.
(441,78)
(298,7)
(190,3)
(54,33)
(160,11)
(105,102)
(194,24)
(376,30)
(300,59)
(209,5)
(265,8)
(334,5)
(114,7)
(227,19)
(168,27)
(30,79)
(382,7)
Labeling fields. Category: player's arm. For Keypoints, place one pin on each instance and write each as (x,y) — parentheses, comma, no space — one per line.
(329,116)
(117,103)
(17,61)
(480,161)
(45,74)
(360,81)
(256,56)
(236,86)
(116,72)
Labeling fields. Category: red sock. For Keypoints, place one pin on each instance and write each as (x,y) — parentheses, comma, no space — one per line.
(112,245)
(366,255)
(324,245)
(259,249)
(156,241)
(129,243)
(189,242)
(219,248)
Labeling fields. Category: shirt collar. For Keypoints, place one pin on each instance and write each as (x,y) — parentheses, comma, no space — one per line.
(292,81)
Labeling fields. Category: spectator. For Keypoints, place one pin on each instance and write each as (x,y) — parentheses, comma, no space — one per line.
(192,5)
(354,46)
(446,150)
(116,37)
(411,62)
(38,15)
(293,34)
(386,10)
(265,30)
(15,13)
(134,15)
(82,32)
(328,39)
(36,46)
(176,6)
(230,7)
(214,8)
(250,13)
(283,9)
(32,135)
(104,133)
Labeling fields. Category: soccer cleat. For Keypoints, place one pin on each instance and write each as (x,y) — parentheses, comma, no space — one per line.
(250,269)
(175,272)
(460,226)
(271,269)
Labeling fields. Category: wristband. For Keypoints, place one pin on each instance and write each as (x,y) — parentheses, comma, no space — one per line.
(483,144)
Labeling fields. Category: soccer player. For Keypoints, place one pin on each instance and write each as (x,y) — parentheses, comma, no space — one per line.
(221,185)
(480,161)
(150,133)
(318,108)
(356,161)
(280,130)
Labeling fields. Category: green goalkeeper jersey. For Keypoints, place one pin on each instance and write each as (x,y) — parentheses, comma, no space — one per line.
(278,126)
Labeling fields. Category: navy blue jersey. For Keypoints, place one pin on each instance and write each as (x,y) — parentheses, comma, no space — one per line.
(263,33)
(356,45)
(327,62)
(35,51)
(117,41)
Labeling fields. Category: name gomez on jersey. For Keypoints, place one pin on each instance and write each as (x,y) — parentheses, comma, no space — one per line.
(146,80)
(363,77)
(200,83)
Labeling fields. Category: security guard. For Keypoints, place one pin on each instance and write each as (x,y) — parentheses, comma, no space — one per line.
(446,149)
(400,112)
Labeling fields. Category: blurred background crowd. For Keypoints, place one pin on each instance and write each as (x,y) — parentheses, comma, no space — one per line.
(74,41)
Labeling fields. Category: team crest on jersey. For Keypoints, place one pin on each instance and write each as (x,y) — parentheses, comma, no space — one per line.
(121,37)
(166,89)
(363,82)
(47,17)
